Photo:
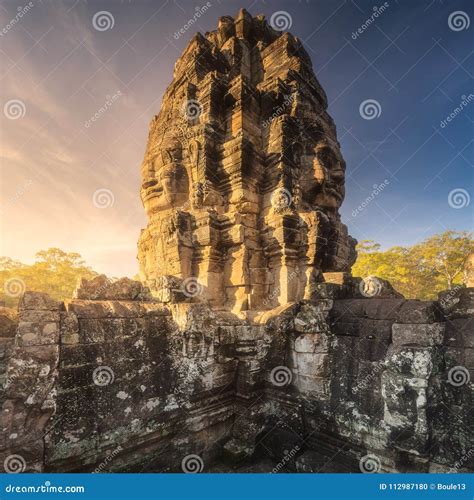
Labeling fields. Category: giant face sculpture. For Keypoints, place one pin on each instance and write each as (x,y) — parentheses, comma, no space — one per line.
(165,180)
(244,196)
(324,187)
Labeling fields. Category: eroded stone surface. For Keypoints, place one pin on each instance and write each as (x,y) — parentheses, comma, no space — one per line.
(243,176)
(259,342)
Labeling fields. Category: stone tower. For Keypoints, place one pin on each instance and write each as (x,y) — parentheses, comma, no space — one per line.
(243,176)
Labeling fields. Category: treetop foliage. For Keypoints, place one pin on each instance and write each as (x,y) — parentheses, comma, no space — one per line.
(54,271)
(420,271)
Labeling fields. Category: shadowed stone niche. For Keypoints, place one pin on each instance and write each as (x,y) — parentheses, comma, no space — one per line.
(247,345)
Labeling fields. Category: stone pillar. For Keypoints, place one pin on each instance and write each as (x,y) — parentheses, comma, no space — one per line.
(30,389)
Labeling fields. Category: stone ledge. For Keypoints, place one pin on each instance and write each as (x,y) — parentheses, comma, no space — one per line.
(418,334)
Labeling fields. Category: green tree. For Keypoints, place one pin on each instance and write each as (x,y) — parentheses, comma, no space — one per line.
(444,257)
(420,271)
(55,272)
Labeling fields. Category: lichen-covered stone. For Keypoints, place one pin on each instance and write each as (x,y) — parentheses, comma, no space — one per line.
(258,342)
(418,334)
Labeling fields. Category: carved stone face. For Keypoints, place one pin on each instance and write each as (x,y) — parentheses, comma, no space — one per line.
(325,187)
(165,180)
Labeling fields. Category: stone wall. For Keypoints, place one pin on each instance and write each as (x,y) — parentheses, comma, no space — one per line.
(136,385)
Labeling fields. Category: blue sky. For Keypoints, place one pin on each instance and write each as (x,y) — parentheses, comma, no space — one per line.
(416,60)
